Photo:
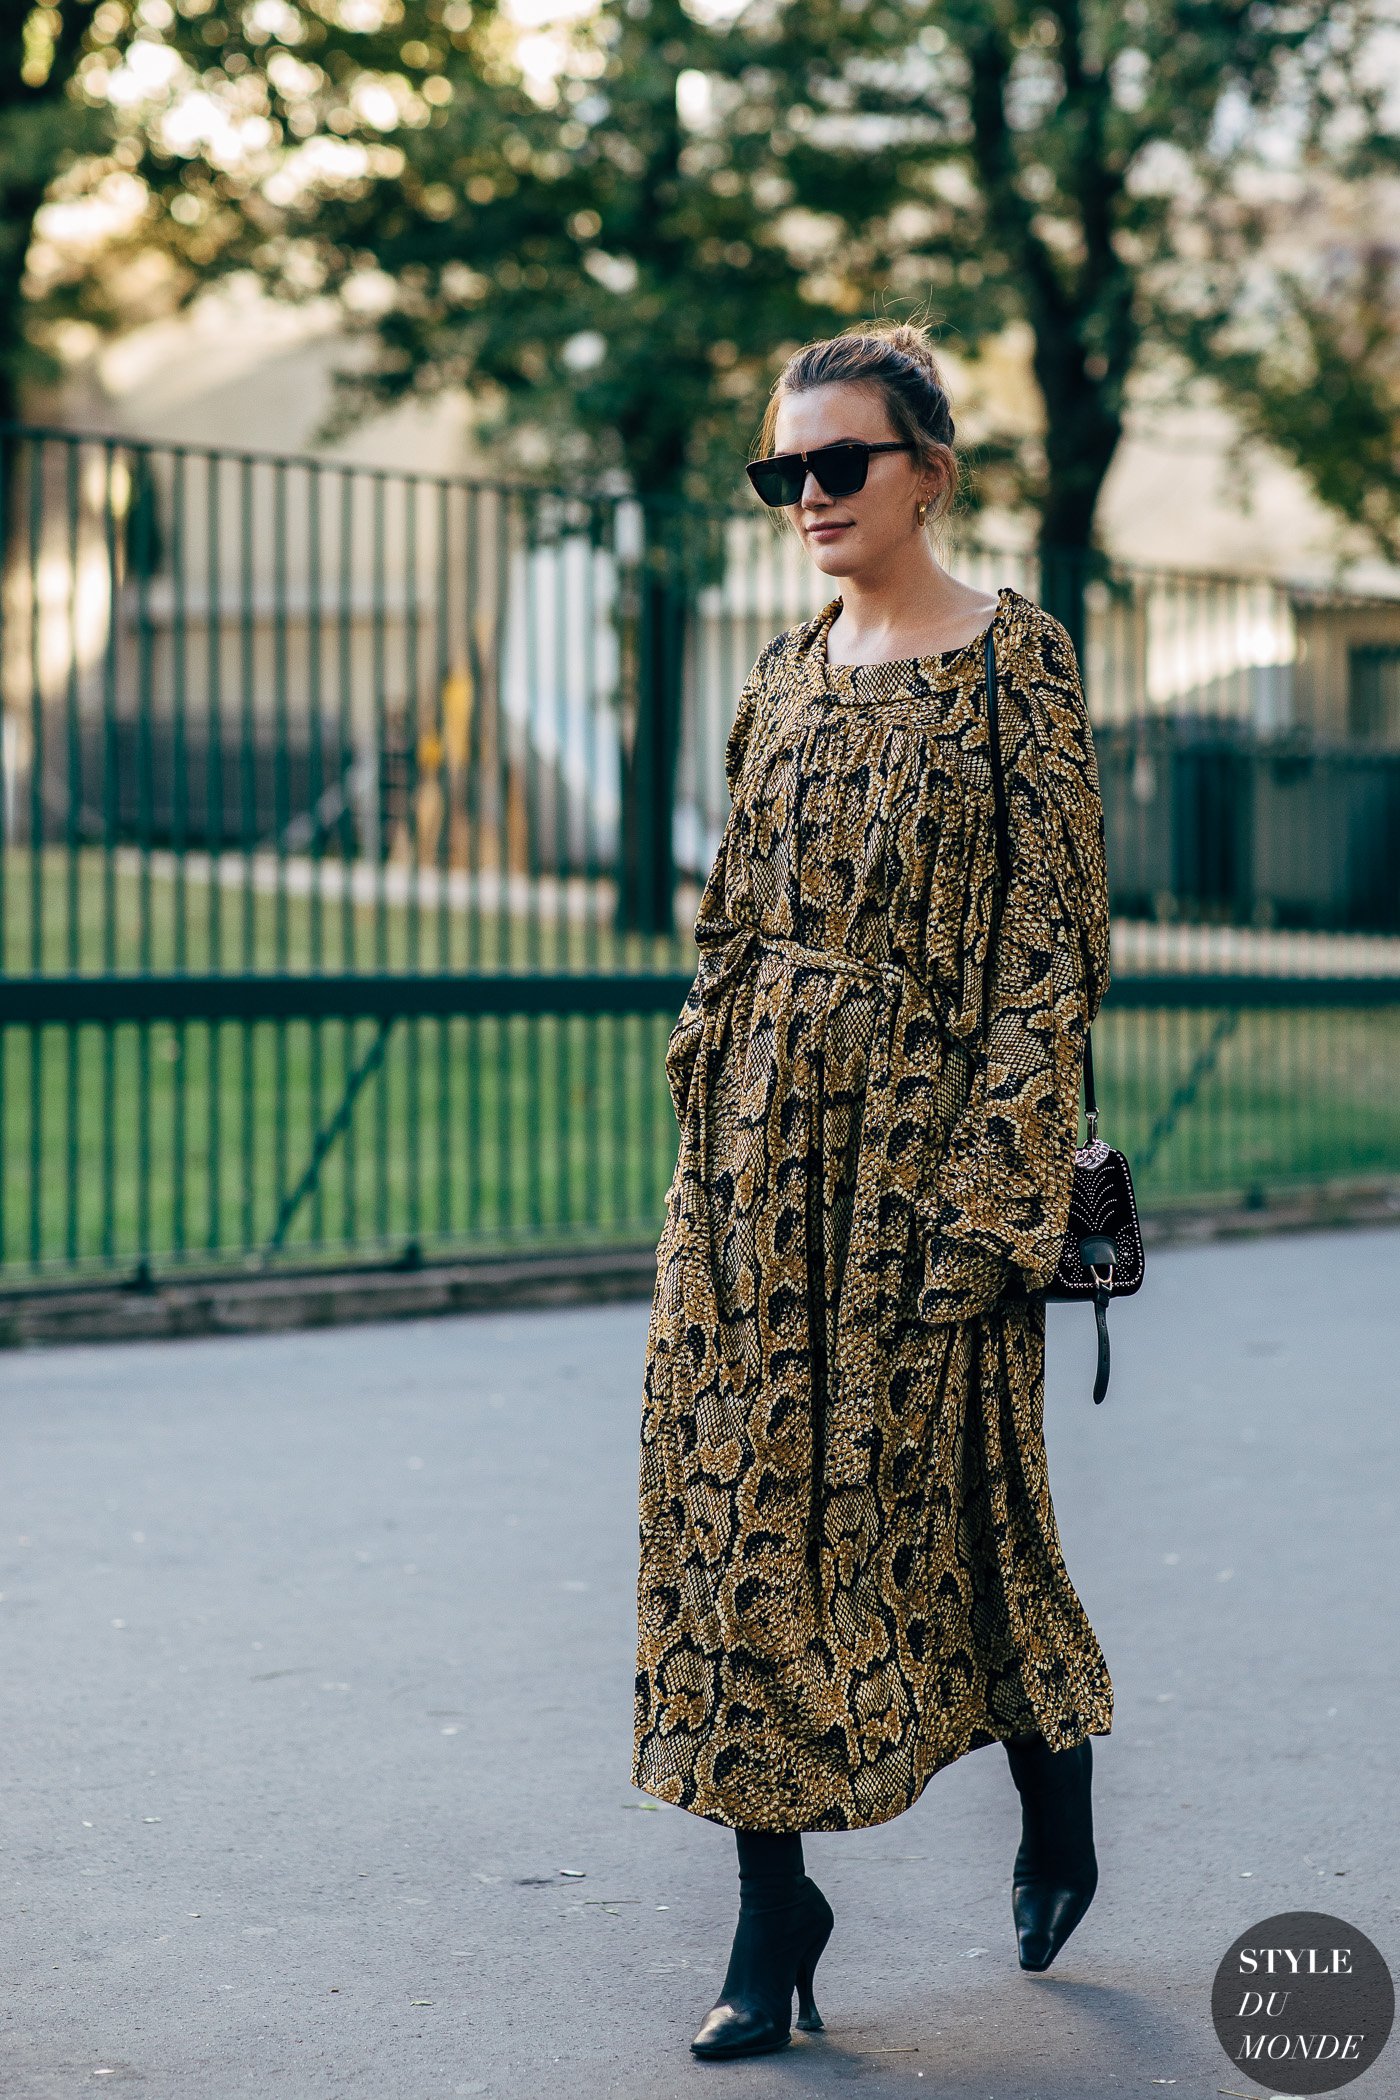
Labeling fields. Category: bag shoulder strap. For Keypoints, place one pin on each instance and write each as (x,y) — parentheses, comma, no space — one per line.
(1003,834)
(1003,839)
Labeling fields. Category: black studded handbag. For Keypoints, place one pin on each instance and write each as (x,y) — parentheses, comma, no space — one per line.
(1102,1255)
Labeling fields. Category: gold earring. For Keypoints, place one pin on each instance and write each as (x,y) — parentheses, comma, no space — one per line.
(922,513)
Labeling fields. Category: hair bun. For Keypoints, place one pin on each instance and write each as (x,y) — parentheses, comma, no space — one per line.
(911,339)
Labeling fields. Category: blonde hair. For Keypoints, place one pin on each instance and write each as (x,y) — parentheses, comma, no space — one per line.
(897,357)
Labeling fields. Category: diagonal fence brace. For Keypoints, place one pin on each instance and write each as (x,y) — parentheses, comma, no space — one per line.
(1202,1065)
(327,1135)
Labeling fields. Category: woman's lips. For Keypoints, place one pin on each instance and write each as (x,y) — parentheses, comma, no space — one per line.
(825,532)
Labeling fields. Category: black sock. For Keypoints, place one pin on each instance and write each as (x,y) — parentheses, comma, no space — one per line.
(770,1869)
(1057,1817)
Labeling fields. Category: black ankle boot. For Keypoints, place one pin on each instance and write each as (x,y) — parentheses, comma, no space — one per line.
(784,1923)
(1056,1872)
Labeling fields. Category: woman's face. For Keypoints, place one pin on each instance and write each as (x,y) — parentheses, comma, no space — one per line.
(851,535)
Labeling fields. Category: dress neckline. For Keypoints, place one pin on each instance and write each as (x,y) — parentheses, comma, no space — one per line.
(846,672)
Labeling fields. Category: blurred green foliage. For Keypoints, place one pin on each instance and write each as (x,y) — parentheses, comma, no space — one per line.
(615,251)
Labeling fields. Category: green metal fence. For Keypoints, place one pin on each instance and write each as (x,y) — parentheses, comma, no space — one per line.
(352,825)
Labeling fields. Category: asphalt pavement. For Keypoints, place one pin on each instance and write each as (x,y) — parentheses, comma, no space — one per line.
(316,1657)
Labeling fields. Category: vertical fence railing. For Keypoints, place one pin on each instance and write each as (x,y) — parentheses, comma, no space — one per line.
(352,824)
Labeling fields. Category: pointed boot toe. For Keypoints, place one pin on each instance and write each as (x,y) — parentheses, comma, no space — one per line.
(1045,1915)
(740,2030)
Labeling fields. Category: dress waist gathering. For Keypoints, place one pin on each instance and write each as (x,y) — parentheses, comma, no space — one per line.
(827,958)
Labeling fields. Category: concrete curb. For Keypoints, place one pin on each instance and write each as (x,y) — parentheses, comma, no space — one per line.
(1331,1208)
(263,1304)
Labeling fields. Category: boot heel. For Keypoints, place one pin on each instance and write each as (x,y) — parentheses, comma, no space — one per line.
(808,2018)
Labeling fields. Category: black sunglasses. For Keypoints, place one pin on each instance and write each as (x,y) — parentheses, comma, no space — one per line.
(840,470)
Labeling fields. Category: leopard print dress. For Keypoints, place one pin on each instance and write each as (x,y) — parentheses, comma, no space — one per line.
(850,1567)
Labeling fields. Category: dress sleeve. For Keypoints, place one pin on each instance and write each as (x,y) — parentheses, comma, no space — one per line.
(684,1038)
(754,685)
(999,1203)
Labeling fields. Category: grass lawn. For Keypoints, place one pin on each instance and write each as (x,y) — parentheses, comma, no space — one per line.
(187,1142)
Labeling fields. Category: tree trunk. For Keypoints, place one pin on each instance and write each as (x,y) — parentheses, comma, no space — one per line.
(1082,323)
(1083,428)
(646,872)
(656,442)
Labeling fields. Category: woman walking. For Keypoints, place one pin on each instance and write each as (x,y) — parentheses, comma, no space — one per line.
(850,1568)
